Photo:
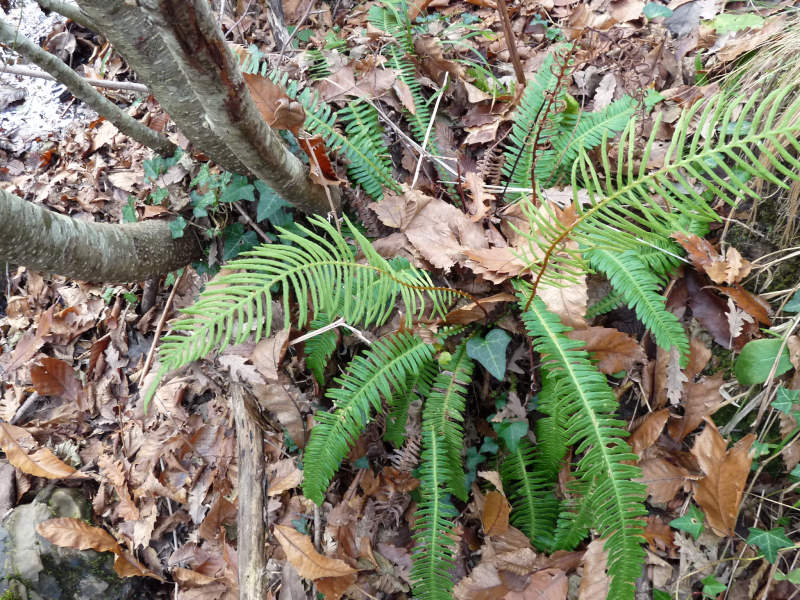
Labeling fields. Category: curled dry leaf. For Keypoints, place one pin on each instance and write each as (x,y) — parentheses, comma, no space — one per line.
(41,463)
(613,350)
(495,514)
(309,563)
(719,493)
(648,431)
(54,377)
(729,269)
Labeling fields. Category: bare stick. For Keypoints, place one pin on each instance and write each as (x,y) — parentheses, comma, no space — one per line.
(428,131)
(511,43)
(101,83)
(159,328)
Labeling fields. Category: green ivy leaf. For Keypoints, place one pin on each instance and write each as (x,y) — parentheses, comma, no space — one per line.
(269,203)
(712,587)
(755,361)
(785,399)
(769,542)
(791,577)
(511,432)
(653,10)
(177,226)
(490,351)
(691,522)
(793,305)
(129,211)
(237,241)
(238,189)
(729,22)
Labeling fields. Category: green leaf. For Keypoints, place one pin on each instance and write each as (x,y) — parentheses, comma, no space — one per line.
(511,432)
(661,595)
(769,542)
(791,577)
(237,241)
(712,587)
(129,211)
(793,305)
(691,522)
(269,202)
(238,189)
(490,351)
(756,360)
(729,22)
(653,10)
(785,399)
(177,226)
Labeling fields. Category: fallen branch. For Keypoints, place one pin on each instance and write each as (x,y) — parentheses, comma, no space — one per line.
(101,83)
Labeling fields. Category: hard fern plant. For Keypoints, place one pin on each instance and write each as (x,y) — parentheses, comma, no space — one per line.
(622,223)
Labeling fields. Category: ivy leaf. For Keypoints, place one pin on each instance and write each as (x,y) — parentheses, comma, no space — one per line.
(511,432)
(791,577)
(769,542)
(691,522)
(238,189)
(653,10)
(729,22)
(785,399)
(712,587)
(269,203)
(756,360)
(490,351)
(793,305)
(177,226)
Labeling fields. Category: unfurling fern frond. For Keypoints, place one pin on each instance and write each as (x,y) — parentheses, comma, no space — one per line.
(626,203)
(370,377)
(319,348)
(638,287)
(308,270)
(617,501)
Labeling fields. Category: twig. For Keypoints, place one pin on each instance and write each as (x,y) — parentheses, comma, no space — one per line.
(340,322)
(82,90)
(511,43)
(101,83)
(428,130)
(296,29)
(72,12)
(159,328)
(264,237)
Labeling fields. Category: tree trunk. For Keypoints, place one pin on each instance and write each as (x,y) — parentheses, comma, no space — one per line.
(43,240)
(178,51)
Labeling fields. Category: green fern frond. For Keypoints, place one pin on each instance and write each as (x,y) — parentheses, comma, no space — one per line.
(618,501)
(555,163)
(576,517)
(638,287)
(627,203)
(444,408)
(364,131)
(418,386)
(319,348)
(611,301)
(519,149)
(419,119)
(391,16)
(319,65)
(369,377)
(307,270)
(433,553)
(534,506)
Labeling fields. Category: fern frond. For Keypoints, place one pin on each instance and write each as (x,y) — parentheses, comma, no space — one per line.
(638,287)
(618,501)
(419,119)
(555,163)
(626,204)
(319,348)
(319,65)
(307,270)
(369,377)
(576,517)
(444,408)
(534,505)
(391,16)
(433,553)
(610,302)
(418,385)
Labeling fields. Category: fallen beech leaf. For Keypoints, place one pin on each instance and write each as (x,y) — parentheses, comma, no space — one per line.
(730,268)
(473,312)
(613,350)
(268,354)
(659,535)
(42,463)
(187,578)
(719,493)
(545,584)
(308,562)
(595,582)
(701,400)
(54,377)
(322,170)
(334,588)
(569,302)
(127,566)
(77,534)
(494,517)
(283,475)
(495,264)
(662,478)
(276,108)
(282,400)
(755,306)
(648,431)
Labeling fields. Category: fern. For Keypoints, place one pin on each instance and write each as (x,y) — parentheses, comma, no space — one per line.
(369,377)
(363,131)
(319,348)
(418,385)
(627,204)
(631,279)
(617,501)
(309,271)
(319,64)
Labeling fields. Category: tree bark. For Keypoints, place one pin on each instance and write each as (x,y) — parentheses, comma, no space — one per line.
(78,86)
(32,236)
(178,51)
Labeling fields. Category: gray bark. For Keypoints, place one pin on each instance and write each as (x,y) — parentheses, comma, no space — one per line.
(178,51)
(70,11)
(42,240)
(78,86)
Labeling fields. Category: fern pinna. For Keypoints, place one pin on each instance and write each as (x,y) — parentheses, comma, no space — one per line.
(605,470)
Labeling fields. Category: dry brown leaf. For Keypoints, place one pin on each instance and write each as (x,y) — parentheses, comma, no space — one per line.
(675,376)
(595,582)
(77,534)
(477,311)
(699,355)
(480,200)
(495,514)
(648,431)
(309,563)
(569,302)
(41,463)
(544,584)
(282,401)
(662,478)
(398,210)
(496,264)
(268,353)
(793,345)
(187,578)
(729,269)
(283,475)
(54,377)
(276,108)
(493,477)
(719,493)
(753,305)
(613,350)
(701,400)
(334,588)
(659,535)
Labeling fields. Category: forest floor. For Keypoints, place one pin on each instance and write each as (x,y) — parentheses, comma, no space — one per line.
(163,481)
